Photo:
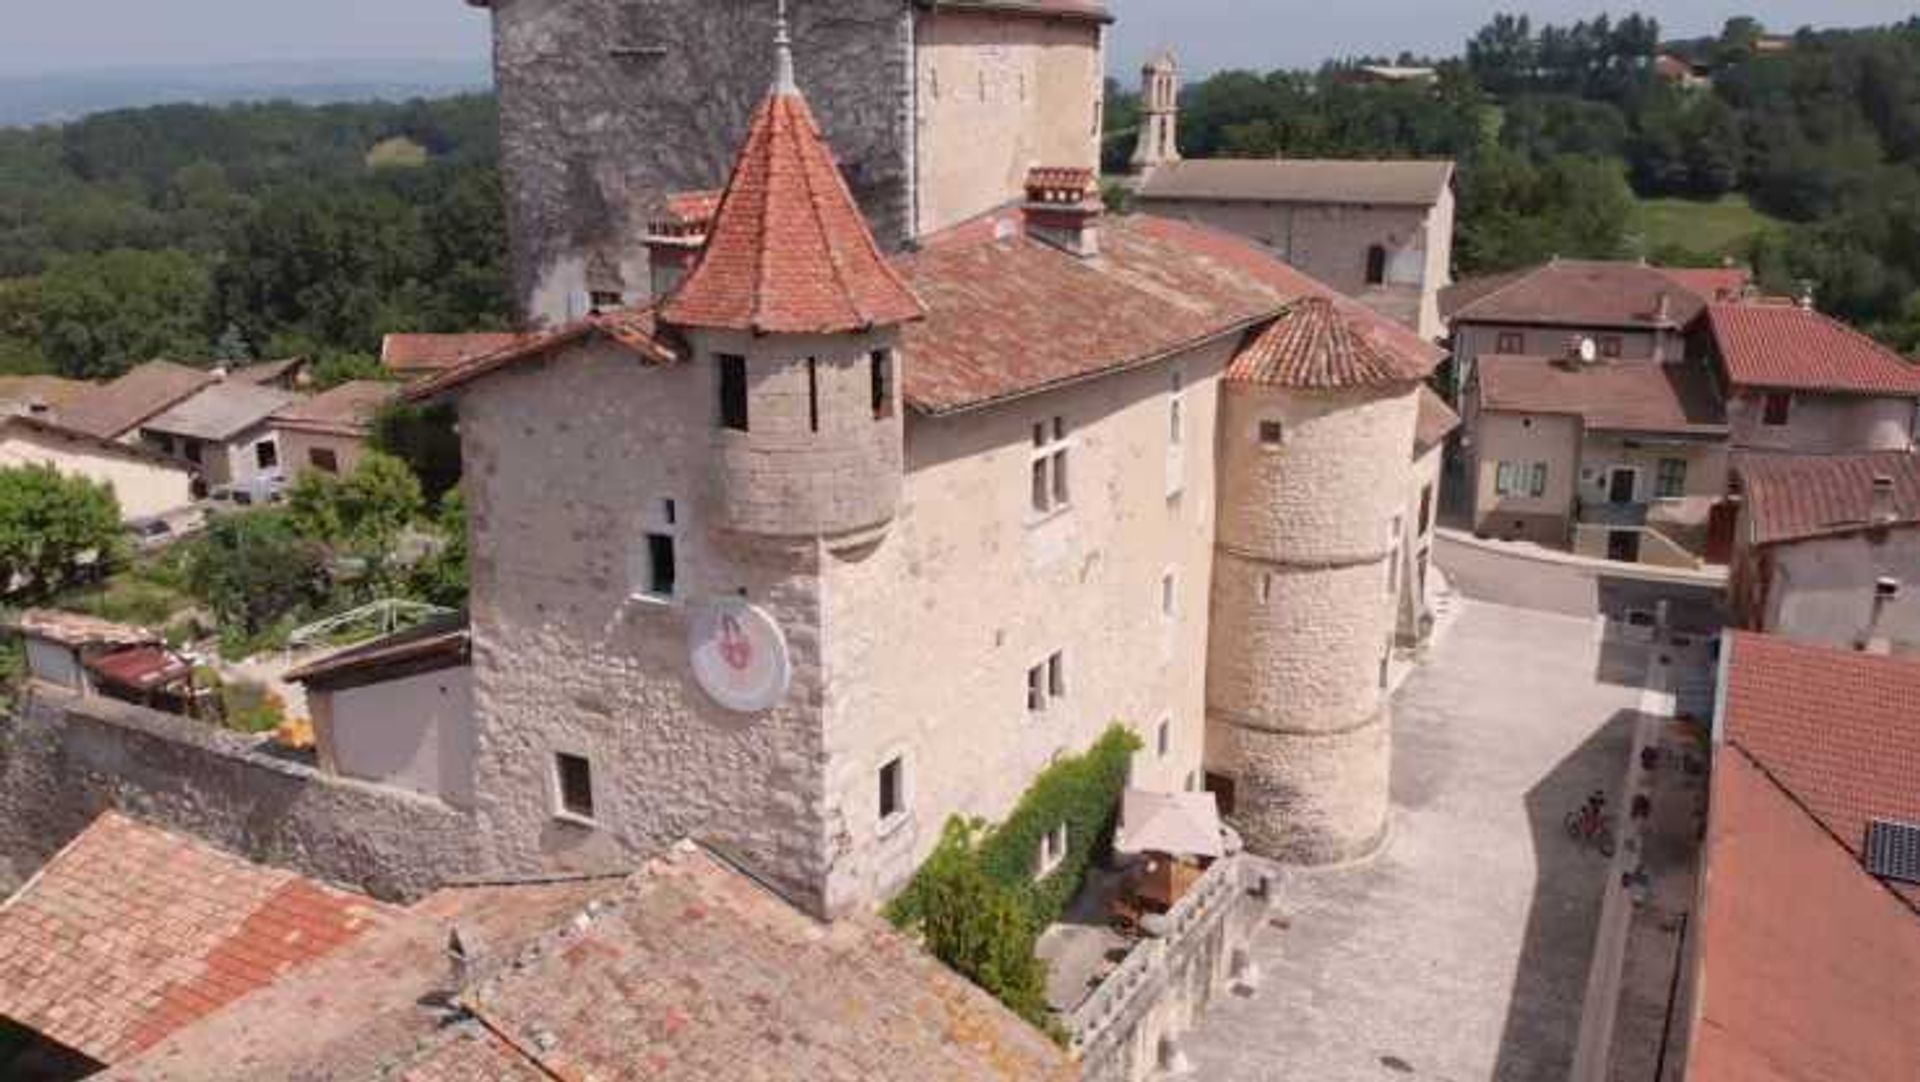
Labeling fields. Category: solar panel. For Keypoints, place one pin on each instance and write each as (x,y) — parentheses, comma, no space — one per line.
(1893,850)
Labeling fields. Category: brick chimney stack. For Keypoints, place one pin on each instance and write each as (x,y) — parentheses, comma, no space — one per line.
(1064,209)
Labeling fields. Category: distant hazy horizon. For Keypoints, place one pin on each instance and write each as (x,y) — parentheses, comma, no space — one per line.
(108,36)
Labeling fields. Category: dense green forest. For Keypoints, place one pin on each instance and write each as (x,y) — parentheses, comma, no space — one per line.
(247,231)
(1800,158)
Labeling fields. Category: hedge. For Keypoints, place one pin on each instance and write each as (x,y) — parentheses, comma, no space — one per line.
(976,901)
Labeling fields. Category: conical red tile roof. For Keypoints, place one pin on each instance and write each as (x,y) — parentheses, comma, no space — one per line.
(1314,346)
(789,252)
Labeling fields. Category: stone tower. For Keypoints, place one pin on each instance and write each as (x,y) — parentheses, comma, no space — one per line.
(936,109)
(1159,114)
(1315,426)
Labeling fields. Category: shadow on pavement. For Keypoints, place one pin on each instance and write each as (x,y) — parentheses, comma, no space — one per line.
(1543,1016)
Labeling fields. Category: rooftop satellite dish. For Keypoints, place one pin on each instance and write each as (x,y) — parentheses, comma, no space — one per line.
(1589,352)
(740,656)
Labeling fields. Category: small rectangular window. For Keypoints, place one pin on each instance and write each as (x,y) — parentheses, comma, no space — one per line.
(733,392)
(813,394)
(670,512)
(893,791)
(573,775)
(1426,510)
(1163,741)
(191,448)
(1671,480)
(881,364)
(1778,409)
(267,454)
(604,300)
(1061,492)
(1053,852)
(662,569)
(1610,346)
(1511,342)
(1272,433)
(1169,594)
(1539,487)
(1051,489)
(1266,588)
(323,459)
(1042,490)
(1057,676)
(1037,688)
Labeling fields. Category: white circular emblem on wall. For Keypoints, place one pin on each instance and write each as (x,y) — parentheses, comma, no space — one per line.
(740,656)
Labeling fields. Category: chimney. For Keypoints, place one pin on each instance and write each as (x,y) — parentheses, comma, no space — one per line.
(1663,308)
(677,237)
(1064,209)
(1882,512)
(1885,592)
(1805,300)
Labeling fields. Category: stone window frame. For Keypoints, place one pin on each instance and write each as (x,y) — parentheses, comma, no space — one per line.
(662,523)
(1050,469)
(887,823)
(1046,682)
(557,802)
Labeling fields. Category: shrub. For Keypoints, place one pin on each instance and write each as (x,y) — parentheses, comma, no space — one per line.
(252,569)
(979,928)
(250,707)
(54,530)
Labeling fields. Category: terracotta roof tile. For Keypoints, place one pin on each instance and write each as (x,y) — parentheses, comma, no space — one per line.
(635,329)
(1313,346)
(132,933)
(1436,421)
(113,409)
(1809,970)
(1009,315)
(346,410)
(789,251)
(52,392)
(1622,396)
(1792,497)
(1576,293)
(1788,347)
(1835,728)
(423,353)
(1711,284)
(77,629)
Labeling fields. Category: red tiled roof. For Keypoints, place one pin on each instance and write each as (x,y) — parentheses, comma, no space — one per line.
(687,208)
(1710,284)
(346,410)
(789,251)
(1835,728)
(634,328)
(433,352)
(1094,10)
(1008,314)
(1788,347)
(1622,396)
(1793,497)
(132,933)
(1575,293)
(1313,346)
(1809,970)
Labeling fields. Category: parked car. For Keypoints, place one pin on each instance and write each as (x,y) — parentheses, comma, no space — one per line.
(258,492)
(150,533)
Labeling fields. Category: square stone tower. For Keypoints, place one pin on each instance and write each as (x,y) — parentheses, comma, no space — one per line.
(936,108)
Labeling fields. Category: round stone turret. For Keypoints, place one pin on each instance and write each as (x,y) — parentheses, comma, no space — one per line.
(1316,433)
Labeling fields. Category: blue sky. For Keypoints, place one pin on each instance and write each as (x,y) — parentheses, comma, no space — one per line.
(1210,34)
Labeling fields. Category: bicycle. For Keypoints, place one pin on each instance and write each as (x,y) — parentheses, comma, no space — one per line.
(1591,825)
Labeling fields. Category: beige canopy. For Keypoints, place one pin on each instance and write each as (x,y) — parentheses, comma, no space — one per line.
(1178,824)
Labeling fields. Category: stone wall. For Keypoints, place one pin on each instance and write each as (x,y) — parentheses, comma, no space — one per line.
(64,759)
(1304,608)
(606,107)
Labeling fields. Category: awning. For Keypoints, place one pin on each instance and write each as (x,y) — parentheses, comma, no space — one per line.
(1178,824)
(142,668)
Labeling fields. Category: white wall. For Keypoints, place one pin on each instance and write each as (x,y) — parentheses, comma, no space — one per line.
(1822,589)
(143,487)
(415,733)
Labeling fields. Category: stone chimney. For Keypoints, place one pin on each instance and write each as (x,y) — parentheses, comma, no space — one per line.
(1064,209)
(676,238)
(1882,511)
(1885,592)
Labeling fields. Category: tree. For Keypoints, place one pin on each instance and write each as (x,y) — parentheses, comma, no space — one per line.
(364,511)
(442,578)
(252,569)
(426,439)
(334,369)
(54,529)
(100,315)
(980,928)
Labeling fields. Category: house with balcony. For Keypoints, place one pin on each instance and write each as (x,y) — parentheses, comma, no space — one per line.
(1617,459)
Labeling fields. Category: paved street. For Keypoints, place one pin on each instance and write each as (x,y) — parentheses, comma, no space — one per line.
(1461,953)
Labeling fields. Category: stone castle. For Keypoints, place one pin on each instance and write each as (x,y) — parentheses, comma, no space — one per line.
(919,471)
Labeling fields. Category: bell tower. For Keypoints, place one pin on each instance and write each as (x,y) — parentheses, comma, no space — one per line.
(1159,114)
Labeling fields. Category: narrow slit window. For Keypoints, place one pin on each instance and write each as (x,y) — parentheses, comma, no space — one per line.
(813,394)
(662,565)
(1057,676)
(1037,689)
(733,392)
(573,775)
(1163,742)
(1169,594)
(882,379)
(893,789)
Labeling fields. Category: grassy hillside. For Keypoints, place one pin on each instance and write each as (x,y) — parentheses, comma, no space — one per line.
(1707,230)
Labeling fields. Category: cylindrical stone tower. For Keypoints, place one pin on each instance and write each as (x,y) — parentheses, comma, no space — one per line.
(1316,434)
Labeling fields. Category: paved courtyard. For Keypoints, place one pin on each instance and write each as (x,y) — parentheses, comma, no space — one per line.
(1461,952)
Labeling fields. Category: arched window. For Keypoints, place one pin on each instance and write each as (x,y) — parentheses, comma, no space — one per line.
(1376,265)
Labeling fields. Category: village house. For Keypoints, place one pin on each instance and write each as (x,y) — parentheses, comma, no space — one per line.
(1804,950)
(1802,382)
(274,976)
(328,432)
(1617,459)
(145,482)
(1630,311)
(1827,549)
(225,429)
(40,397)
(414,356)
(115,410)
(1378,231)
